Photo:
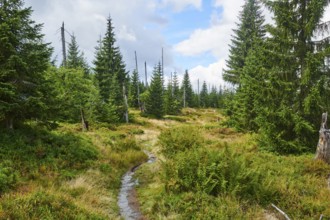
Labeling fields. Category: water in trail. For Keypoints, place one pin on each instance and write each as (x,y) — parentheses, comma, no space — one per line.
(127,200)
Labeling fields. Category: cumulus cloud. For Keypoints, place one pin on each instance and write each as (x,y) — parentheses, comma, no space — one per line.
(137,26)
(210,74)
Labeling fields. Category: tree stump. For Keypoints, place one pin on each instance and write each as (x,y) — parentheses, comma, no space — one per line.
(323,146)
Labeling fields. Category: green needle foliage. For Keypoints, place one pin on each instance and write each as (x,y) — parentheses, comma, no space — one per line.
(155,95)
(23,60)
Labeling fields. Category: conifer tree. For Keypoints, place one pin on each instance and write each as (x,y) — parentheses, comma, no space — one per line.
(172,100)
(250,28)
(204,96)
(249,34)
(186,91)
(134,90)
(213,98)
(293,98)
(155,99)
(23,60)
(108,62)
(76,58)
(110,72)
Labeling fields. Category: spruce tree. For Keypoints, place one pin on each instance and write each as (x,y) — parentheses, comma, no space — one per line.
(293,99)
(155,99)
(110,72)
(108,62)
(250,28)
(134,90)
(186,91)
(204,96)
(76,58)
(249,34)
(24,58)
(213,98)
(172,100)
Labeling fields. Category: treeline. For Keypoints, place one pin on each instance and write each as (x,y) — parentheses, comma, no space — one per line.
(281,73)
(32,87)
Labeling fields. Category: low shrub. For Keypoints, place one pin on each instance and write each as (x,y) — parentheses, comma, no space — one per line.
(8,176)
(215,173)
(180,139)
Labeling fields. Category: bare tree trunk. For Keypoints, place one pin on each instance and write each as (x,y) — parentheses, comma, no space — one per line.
(63,44)
(126,104)
(323,146)
(83,121)
(10,123)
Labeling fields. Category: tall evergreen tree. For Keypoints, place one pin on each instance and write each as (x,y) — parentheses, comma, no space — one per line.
(250,28)
(213,98)
(108,62)
(186,90)
(294,99)
(155,99)
(204,96)
(110,71)
(172,97)
(76,58)
(23,60)
(134,90)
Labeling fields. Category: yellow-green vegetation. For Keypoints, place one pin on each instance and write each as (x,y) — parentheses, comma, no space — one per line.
(207,171)
(65,173)
(204,170)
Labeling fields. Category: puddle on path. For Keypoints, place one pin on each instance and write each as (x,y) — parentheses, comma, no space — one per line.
(127,200)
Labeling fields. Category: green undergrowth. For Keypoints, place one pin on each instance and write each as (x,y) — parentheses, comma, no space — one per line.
(211,172)
(65,173)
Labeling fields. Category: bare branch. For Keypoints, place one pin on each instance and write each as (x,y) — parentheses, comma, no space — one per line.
(280,211)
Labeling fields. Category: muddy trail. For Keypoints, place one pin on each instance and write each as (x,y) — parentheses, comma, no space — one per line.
(127,199)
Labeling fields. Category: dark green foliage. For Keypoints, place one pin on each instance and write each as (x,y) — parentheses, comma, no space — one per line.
(172,100)
(116,98)
(214,98)
(186,91)
(108,63)
(134,90)
(72,92)
(204,99)
(155,97)
(281,89)
(23,60)
(76,58)
(250,28)
(8,176)
(290,121)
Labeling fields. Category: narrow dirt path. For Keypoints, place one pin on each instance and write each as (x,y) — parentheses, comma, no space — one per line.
(127,201)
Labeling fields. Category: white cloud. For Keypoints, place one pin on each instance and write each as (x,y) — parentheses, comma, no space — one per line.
(210,74)
(179,5)
(87,20)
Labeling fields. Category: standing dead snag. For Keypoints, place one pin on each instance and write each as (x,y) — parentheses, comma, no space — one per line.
(323,146)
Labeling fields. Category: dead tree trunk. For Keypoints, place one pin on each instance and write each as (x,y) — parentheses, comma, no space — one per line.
(10,123)
(323,146)
(126,104)
(83,121)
